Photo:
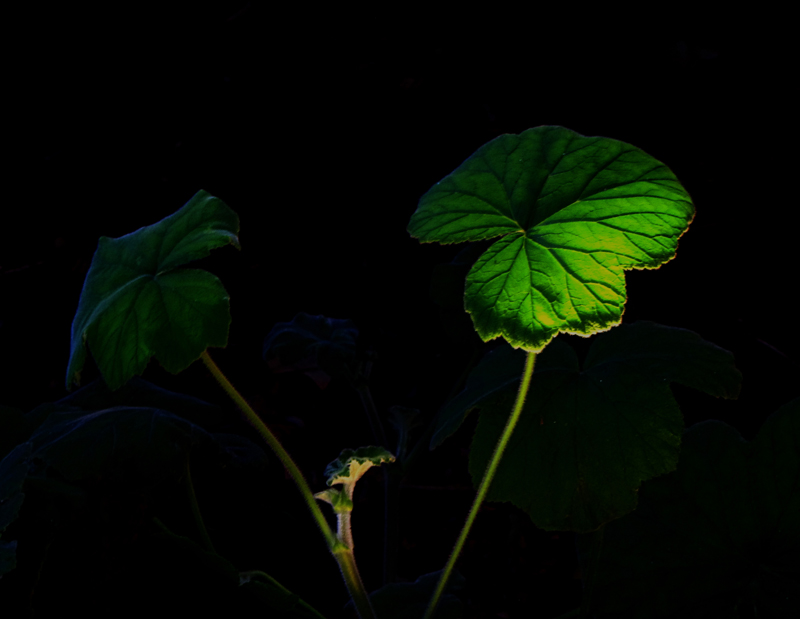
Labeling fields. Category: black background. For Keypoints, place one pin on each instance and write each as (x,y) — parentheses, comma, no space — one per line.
(322,129)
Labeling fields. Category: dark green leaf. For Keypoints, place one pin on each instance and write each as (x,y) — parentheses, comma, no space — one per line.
(137,302)
(499,369)
(142,393)
(166,407)
(145,443)
(718,537)
(588,438)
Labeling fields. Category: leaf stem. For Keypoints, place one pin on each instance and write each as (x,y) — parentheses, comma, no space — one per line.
(488,475)
(344,530)
(342,554)
(347,565)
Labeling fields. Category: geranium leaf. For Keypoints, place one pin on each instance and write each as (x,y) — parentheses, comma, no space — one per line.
(123,440)
(137,302)
(351,464)
(587,438)
(572,213)
(499,369)
(139,392)
(721,531)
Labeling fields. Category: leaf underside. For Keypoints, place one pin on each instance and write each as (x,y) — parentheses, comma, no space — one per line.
(587,437)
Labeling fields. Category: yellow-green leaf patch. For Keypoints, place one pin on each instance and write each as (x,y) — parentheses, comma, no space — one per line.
(572,213)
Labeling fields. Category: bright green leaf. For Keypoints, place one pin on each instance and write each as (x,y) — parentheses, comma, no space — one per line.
(587,438)
(720,532)
(137,302)
(573,214)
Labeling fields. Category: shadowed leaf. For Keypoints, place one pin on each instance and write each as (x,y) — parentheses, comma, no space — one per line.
(718,537)
(587,438)
(137,302)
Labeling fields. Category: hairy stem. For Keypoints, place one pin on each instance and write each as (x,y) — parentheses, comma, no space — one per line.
(347,564)
(485,482)
(344,531)
(342,554)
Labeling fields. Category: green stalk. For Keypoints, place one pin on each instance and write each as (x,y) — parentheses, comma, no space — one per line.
(485,482)
(347,565)
(344,530)
(342,554)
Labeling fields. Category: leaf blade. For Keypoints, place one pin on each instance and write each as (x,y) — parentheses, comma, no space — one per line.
(573,213)
(589,437)
(719,531)
(135,294)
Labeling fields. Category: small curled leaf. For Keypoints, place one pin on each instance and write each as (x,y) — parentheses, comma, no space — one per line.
(351,465)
